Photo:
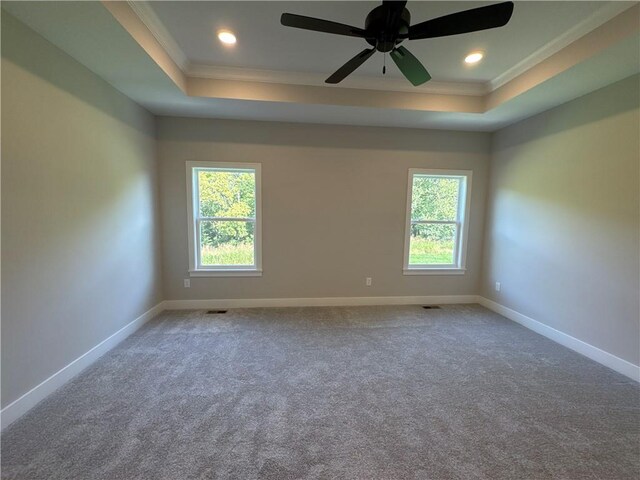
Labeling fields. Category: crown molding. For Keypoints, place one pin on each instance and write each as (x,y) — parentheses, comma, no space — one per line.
(145,13)
(598,18)
(317,80)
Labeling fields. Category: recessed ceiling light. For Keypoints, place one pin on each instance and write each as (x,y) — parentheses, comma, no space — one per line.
(226,37)
(474,57)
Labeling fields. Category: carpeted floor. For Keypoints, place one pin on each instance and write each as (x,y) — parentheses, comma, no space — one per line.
(333,393)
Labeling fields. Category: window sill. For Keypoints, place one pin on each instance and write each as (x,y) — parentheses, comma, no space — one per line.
(225,273)
(434,271)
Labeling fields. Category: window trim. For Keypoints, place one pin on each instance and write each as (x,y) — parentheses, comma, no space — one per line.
(462,232)
(196,270)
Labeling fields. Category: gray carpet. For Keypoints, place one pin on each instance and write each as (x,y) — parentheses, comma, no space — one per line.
(333,393)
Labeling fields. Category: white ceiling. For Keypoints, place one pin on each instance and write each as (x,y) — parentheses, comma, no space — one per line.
(89,32)
(265,44)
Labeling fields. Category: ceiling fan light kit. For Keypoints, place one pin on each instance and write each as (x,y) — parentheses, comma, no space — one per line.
(389,24)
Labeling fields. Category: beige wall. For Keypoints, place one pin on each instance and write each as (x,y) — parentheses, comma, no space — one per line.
(333,205)
(563,226)
(79,218)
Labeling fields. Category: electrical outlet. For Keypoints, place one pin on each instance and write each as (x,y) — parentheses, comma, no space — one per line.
(367,281)
(187,283)
(497,286)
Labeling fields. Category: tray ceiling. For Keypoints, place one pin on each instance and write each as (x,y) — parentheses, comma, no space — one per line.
(165,56)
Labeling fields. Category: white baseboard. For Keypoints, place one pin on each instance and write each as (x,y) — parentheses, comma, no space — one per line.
(594,353)
(316,302)
(26,402)
(22,405)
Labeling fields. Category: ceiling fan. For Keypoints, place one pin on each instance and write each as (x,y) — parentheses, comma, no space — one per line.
(388,25)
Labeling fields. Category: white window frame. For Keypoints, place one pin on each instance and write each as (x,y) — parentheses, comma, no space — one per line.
(462,221)
(197,270)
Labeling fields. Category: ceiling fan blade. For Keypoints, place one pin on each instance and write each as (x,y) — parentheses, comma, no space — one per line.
(410,66)
(319,25)
(350,66)
(482,18)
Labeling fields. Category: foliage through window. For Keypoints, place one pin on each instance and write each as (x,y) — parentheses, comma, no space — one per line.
(224,217)
(436,220)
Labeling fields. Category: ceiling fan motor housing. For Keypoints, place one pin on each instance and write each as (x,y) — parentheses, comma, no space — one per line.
(385,33)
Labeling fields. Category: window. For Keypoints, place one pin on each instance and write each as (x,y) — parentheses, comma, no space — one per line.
(224,219)
(437,221)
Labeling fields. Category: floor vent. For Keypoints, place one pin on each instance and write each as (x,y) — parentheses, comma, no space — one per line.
(431,307)
(216,312)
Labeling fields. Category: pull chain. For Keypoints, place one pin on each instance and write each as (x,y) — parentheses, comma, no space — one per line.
(384,63)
